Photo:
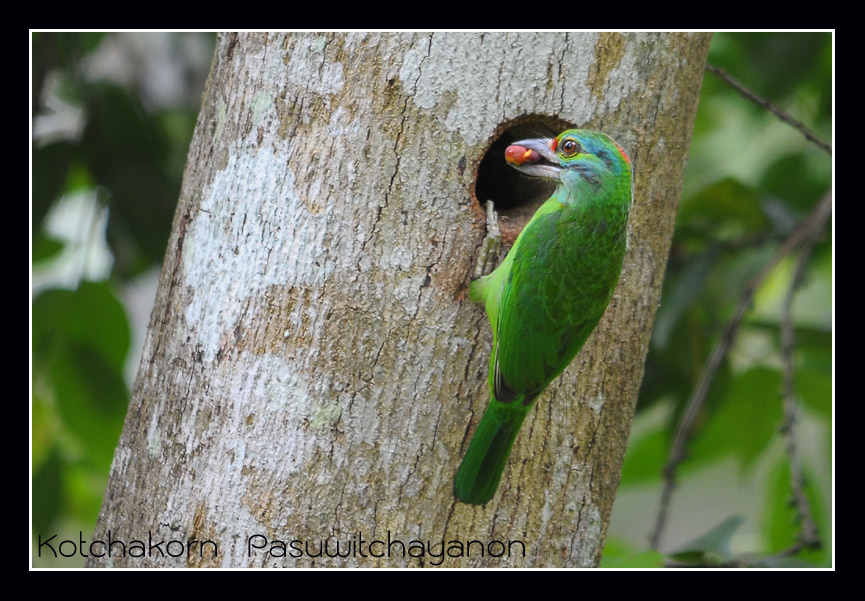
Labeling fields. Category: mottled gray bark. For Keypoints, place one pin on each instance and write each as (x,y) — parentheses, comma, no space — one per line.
(313,369)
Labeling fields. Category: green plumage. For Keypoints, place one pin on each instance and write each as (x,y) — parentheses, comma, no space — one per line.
(551,290)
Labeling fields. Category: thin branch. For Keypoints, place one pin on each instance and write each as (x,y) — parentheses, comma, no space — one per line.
(809,229)
(763,561)
(808,537)
(760,101)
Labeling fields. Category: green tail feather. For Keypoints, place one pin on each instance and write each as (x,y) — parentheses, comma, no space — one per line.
(478,476)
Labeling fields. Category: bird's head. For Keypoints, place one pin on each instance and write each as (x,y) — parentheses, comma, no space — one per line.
(573,156)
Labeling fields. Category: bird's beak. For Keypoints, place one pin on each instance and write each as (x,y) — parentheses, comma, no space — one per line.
(528,156)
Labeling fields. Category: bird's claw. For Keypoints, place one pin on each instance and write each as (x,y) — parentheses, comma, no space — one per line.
(490,246)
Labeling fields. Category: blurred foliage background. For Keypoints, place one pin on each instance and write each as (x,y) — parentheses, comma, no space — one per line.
(113,116)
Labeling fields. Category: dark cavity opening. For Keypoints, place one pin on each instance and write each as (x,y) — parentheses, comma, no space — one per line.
(516,196)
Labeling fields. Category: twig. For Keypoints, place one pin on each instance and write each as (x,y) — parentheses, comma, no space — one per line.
(763,561)
(770,107)
(808,537)
(809,229)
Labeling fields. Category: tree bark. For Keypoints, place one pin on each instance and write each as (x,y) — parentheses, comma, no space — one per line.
(313,369)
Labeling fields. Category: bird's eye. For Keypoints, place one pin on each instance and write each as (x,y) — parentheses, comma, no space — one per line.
(570,148)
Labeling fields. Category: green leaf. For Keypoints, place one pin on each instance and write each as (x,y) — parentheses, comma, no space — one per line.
(814,349)
(619,555)
(125,149)
(92,398)
(747,419)
(725,210)
(80,342)
(51,165)
(681,292)
(773,64)
(713,547)
(42,431)
(45,248)
(645,458)
(792,178)
(47,492)
(90,316)
(85,489)
(815,390)
(781,525)
(65,49)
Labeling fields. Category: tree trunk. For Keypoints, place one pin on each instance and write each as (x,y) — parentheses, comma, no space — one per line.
(314,370)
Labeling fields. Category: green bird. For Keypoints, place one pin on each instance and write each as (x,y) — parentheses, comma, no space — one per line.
(551,290)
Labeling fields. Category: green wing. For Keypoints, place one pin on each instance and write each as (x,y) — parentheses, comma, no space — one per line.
(553,299)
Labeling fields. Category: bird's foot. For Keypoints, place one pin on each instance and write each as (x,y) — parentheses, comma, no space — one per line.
(490,246)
